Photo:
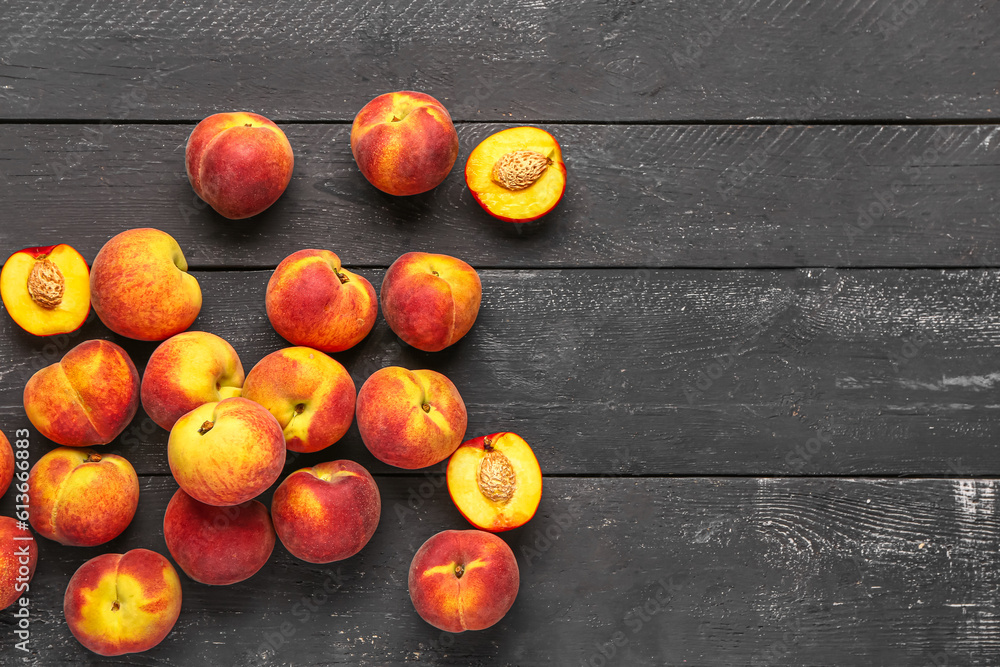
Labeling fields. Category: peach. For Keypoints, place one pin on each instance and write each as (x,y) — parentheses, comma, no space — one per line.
(404,142)
(18,558)
(310,394)
(328,512)
(188,370)
(410,419)
(463,580)
(517,174)
(239,163)
(123,603)
(46,290)
(6,464)
(495,481)
(226,453)
(140,287)
(86,399)
(312,301)
(81,498)
(430,301)
(217,545)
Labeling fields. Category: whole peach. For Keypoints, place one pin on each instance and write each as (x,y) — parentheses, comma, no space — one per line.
(429,300)
(18,558)
(404,142)
(463,580)
(410,419)
(226,453)
(123,603)
(82,498)
(312,301)
(6,464)
(310,394)
(140,288)
(188,370)
(217,545)
(239,163)
(328,512)
(86,399)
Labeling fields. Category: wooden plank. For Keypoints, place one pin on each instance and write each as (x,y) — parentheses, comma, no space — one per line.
(611,372)
(638,195)
(718,571)
(499,60)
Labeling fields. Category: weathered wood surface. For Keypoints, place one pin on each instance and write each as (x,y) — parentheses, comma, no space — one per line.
(673,372)
(499,60)
(693,572)
(638,195)
(698,429)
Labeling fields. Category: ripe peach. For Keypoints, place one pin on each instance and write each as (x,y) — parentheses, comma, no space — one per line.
(46,290)
(123,603)
(140,288)
(463,580)
(410,419)
(18,557)
(310,394)
(328,512)
(312,301)
(226,453)
(217,545)
(495,481)
(239,163)
(6,464)
(81,498)
(517,174)
(430,301)
(188,370)
(404,142)
(87,398)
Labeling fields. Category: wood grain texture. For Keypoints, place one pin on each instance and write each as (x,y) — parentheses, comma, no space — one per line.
(699,572)
(621,60)
(610,372)
(638,196)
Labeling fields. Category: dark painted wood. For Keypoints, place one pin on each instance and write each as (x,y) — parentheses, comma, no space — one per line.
(637,372)
(699,572)
(620,60)
(692,196)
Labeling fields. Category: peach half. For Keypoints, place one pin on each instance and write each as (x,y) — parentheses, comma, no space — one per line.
(328,512)
(188,370)
(495,481)
(217,545)
(81,498)
(404,142)
(239,163)
(310,394)
(18,558)
(429,300)
(517,174)
(140,287)
(410,419)
(46,290)
(313,301)
(463,580)
(123,603)
(86,399)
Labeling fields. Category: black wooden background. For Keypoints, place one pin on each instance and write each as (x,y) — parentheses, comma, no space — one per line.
(753,347)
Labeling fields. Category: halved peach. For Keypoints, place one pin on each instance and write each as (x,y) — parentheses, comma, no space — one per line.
(46,290)
(517,174)
(495,481)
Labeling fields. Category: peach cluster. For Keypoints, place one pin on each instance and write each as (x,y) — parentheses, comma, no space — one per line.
(230,431)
